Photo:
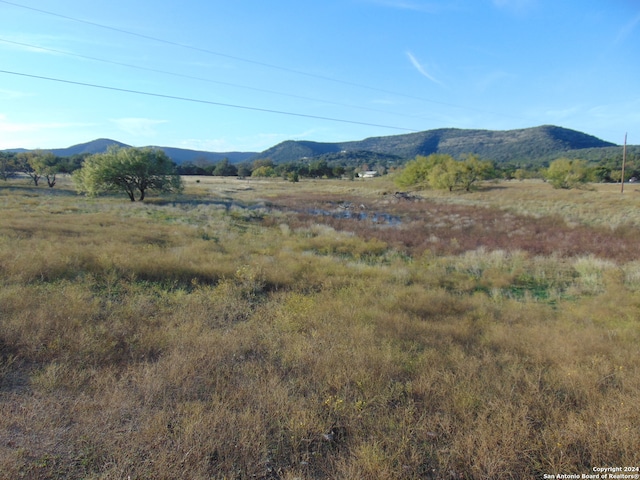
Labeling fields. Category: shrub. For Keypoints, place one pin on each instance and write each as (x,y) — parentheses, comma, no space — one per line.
(567,174)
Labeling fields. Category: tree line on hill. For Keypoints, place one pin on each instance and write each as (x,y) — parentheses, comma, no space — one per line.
(267,168)
(534,145)
(38,164)
(442,171)
(151,169)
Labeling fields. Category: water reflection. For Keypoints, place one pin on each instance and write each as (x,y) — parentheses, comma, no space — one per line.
(358,215)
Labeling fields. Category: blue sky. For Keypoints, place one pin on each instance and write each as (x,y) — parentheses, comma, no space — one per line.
(339,70)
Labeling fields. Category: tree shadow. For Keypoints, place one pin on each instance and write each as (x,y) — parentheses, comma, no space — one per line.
(40,190)
(227,203)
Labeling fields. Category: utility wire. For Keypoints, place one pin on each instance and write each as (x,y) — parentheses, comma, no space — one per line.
(241,59)
(207,102)
(191,77)
(162,40)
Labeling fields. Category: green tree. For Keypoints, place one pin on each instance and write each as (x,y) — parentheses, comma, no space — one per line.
(319,169)
(264,171)
(338,171)
(565,173)
(616,176)
(130,170)
(522,174)
(23,165)
(244,170)
(188,168)
(472,169)
(46,165)
(446,174)
(72,163)
(38,164)
(8,165)
(261,162)
(293,176)
(442,171)
(416,172)
(225,169)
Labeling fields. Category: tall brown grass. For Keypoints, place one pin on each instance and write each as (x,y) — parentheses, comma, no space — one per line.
(211,336)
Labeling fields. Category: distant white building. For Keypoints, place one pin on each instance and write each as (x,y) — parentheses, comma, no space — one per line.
(368,174)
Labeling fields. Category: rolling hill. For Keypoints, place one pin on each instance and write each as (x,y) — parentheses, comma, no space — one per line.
(528,145)
(95,146)
(181,155)
(178,155)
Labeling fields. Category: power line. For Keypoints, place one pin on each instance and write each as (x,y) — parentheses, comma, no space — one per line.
(242,59)
(191,77)
(206,102)
(162,40)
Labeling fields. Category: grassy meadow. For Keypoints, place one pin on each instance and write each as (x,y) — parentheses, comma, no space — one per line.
(260,329)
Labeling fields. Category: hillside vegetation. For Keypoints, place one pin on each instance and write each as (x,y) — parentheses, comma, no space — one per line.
(263,329)
(529,145)
(525,147)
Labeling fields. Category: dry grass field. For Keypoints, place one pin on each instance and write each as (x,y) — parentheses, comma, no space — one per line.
(319,330)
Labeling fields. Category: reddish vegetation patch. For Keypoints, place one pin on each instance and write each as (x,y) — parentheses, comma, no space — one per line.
(418,226)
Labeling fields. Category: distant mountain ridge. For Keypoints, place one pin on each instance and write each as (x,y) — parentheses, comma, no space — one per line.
(182,155)
(528,144)
(178,155)
(95,146)
(531,145)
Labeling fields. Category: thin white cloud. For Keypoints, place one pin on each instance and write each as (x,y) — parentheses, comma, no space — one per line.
(383,101)
(518,6)
(13,94)
(223,144)
(139,127)
(24,134)
(17,127)
(561,114)
(628,29)
(414,5)
(608,121)
(490,80)
(552,114)
(623,116)
(55,45)
(421,69)
(249,143)
(31,43)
